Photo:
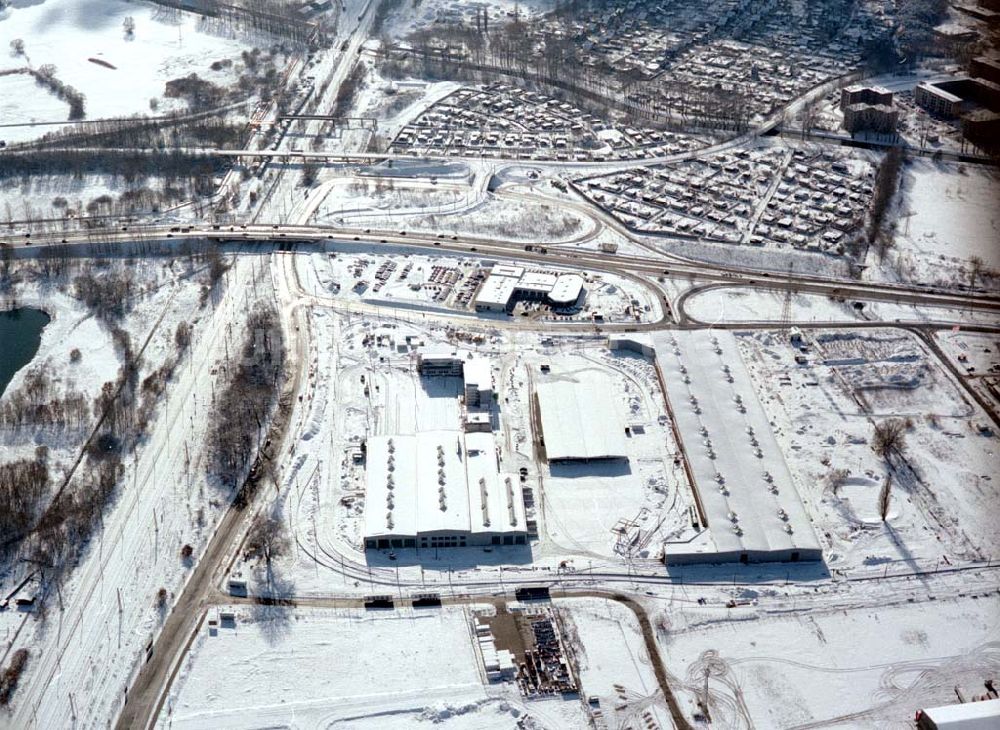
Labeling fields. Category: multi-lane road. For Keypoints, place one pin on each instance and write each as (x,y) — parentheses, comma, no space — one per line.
(286,235)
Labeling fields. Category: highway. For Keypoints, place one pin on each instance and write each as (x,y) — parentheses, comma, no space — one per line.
(282,234)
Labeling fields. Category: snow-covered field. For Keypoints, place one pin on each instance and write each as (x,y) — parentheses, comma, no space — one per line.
(346,668)
(948,214)
(165,45)
(860,667)
(823,413)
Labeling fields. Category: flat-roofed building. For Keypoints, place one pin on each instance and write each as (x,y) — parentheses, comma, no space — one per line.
(496,294)
(579,419)
(535,285)
(440,489)
(566,291)
(440,362)
(868,109)
(982,715)
(936,100)
(861,94)
(478,376)
(507,285)
(871,118)
(507,270)
(986,68)
(742,484)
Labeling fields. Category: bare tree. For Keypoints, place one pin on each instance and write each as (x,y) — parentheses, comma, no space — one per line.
(310,170)
(17,47)
(885,498)
(182,336)
(268,537)
(889,438)
(975,269)
(128,25)
(10,675)
(886,183)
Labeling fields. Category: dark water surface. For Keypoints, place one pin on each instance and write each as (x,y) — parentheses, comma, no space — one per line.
(20,336)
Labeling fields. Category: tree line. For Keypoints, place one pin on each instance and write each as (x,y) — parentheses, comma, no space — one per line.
(241,411)
(130,166)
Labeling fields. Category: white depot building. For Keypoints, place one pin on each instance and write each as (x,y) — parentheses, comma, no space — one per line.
(742,484)
(506,285)
(440,489)
(579,420)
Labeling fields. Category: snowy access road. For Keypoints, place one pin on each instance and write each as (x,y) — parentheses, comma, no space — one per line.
(85,661)
(147,692)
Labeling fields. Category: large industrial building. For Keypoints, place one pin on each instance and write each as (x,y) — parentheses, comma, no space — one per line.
(579,420)
(506,285)
(743,488)
(440,489)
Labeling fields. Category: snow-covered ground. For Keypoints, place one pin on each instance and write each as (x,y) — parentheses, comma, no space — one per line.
(489,218)
(72,327)
(947,214)
(859,667)
(166,45)
(347,668)
(107,610)
(823,412)
(740,304)
(612,660)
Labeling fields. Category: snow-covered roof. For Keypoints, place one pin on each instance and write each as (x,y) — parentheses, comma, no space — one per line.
(537,281)
(438,481)
(741,477)
(983,715)
(416,484)
(478,371)
(507,270)
(580,420)
(496,290)
(495,501)
(566,289)
(438,354)
(939,92)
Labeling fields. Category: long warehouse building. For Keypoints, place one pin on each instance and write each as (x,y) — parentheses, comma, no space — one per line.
(746,491)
